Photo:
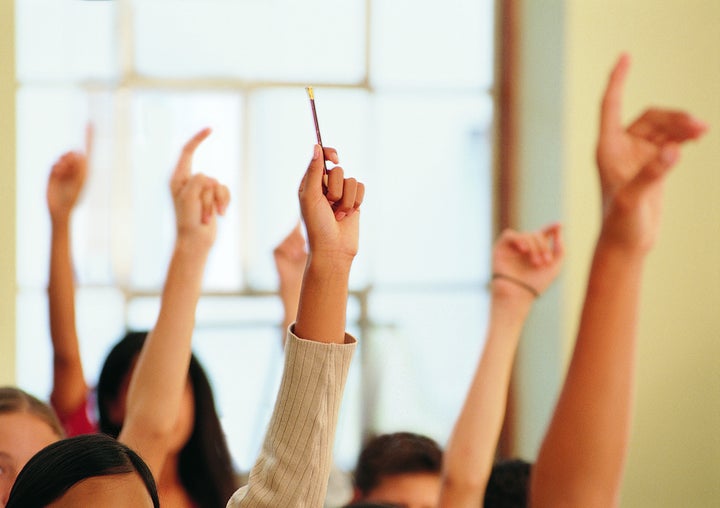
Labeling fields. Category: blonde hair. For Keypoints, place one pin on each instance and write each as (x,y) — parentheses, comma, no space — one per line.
(14,400)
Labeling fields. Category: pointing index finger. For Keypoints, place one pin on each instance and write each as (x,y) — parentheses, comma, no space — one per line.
(183,169)
(610,118)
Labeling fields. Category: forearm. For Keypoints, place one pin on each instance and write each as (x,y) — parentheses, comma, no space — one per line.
(470,453)
(69,387)
(160,377)
(588,436)
(323,299)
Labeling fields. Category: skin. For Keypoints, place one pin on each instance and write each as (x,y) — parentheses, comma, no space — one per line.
(290,260)
(534,259)
(112,491)
(412,490)
(22,435)
(65,184)
(157,395)
(582,456)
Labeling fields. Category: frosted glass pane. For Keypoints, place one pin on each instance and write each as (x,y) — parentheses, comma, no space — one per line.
(431,213)
(320,40)
(282,136)
(65,40)
(244,366)
(100,323)
(50,123)
(424,351)
(162,122)
(447,44)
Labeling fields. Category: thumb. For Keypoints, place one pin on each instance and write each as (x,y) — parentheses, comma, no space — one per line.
(312,181)
(655,170)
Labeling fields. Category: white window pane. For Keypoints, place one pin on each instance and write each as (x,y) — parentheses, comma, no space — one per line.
(162,122)
(320,40)
(34,354)
(447,44)
(100,323)
(282,137)
(50,123)
(239,344)
(422,338)
(430,212)
(142,313)
(244,365)
(65,40)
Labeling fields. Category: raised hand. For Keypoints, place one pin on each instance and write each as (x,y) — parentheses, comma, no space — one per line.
(197,197)
(633,162)
(331,219)
(290,258)
(332,223)
(527,263)
(67,179)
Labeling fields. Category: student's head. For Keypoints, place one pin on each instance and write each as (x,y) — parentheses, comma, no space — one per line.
(508,485)
(87,470)
(401,468)
(205,466)
(27,425)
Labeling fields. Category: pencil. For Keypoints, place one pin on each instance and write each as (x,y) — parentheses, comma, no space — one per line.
(317,126)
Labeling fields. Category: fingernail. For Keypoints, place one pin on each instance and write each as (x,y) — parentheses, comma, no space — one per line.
(316,152)
(340,216)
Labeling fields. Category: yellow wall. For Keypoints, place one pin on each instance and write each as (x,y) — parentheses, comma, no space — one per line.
(7,194)
(674,458)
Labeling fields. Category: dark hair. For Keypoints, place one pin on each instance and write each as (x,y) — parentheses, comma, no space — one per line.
(204,464)
(51,472)
(14,400)
(508,485)
(392,454)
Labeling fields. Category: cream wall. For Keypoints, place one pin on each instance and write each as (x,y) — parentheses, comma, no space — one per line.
(674,457)
(7,194)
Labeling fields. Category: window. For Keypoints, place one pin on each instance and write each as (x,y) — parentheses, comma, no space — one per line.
(403,90)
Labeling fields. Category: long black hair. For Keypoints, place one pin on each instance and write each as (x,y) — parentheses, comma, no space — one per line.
(205,465)
(51,472)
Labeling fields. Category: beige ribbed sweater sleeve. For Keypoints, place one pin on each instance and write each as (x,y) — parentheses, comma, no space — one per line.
(294,463)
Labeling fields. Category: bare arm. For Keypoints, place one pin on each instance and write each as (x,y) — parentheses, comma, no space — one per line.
(533,259)
(160,377)
(66,181)
(290,260)
(582,456)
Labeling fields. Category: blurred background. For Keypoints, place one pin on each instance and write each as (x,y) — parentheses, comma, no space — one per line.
(462,117)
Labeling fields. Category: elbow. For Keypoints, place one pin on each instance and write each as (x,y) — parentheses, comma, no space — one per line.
(463,485)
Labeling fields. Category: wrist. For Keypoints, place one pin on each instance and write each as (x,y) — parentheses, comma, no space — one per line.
(60,220)
(327,273)
(504,285)
(191,247)
(510,299)
(331,262)
(608,244)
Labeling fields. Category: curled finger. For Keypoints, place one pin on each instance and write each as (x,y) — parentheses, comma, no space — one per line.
(336,179)
(346,205)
